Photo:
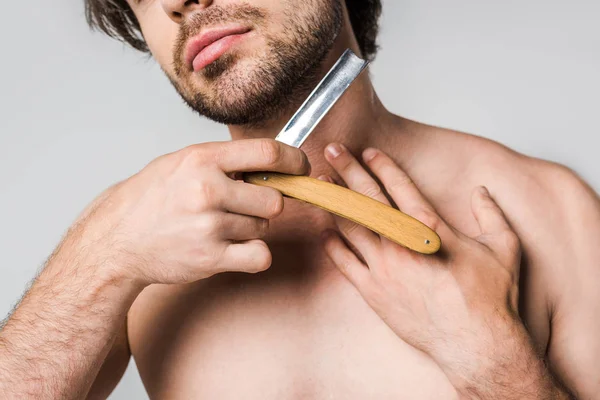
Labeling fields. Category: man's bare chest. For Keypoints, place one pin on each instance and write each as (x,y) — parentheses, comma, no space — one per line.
(296,335)
(299,330)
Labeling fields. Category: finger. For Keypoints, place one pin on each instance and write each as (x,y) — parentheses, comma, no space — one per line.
(363,240)
(401,188)
(251,256)
(252,200)
(353,174)
(496,232)
(489,216)
(242,227)
(345,260)
(366,242)
(256,155)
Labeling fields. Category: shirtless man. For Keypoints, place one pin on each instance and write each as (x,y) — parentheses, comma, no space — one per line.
(157,266)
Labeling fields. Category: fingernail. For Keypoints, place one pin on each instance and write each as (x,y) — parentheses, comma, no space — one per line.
(484,191)
(334,150)
(369,154)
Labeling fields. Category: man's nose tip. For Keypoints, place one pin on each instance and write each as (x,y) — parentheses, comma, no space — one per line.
(178,10)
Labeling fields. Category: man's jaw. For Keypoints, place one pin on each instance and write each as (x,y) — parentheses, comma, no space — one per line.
(254,90)
(354,121)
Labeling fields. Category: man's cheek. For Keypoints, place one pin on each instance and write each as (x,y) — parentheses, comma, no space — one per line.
(160,34)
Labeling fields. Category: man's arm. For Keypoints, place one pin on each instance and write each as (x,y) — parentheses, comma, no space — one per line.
(57,339)
(179,220)
(113,368)
(43,324)
(574,348)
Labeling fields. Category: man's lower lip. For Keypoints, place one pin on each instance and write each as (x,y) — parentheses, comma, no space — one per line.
(214,51)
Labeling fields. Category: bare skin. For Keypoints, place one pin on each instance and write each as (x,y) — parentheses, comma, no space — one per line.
(306,327)
(307,333)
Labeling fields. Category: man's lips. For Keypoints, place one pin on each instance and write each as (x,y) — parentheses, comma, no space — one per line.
(208,46)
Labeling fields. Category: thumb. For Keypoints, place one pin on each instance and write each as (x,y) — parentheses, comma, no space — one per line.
(496,232)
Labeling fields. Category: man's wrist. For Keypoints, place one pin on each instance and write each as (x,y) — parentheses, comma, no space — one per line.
(102,279)
(97,266)
(63,328)
(504,365)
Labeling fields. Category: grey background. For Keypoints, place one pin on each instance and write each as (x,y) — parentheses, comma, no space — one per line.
(79,111)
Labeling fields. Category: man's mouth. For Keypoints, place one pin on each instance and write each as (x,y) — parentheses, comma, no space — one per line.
(207,47)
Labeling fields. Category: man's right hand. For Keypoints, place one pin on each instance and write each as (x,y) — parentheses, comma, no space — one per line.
(182,218)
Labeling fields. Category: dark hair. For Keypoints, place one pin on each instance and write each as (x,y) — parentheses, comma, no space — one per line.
(116,19)
(364,16)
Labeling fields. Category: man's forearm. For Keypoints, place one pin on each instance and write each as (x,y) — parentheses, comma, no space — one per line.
(55,342)
(508,369)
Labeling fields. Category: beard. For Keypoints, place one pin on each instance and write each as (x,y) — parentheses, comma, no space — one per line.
(237,90)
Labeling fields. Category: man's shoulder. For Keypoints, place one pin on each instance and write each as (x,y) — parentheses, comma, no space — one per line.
(532,191)
(531,181)
(511,171)
(551,207)
(544,199)
(555,213)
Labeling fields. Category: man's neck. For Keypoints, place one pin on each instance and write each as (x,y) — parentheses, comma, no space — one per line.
(357,120)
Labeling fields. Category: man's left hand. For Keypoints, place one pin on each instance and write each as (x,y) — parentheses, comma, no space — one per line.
(459,306)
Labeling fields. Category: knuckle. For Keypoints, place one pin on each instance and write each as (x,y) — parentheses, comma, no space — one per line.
(263,259)
(221,153)
(189,159)
(429,218)
(274,206)
(348,228)
(210,257)
(203,194)
(344,162)
(192,153)
(266,263)
(372,191)
(205,256)
(345,265)
(271,152)
(398,183)
(347,162)
(510,241)
(300,162)
(207,225)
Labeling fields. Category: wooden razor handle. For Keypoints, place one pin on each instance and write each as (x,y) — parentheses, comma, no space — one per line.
(370,213)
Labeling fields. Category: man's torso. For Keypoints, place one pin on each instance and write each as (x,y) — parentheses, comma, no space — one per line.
(300,330)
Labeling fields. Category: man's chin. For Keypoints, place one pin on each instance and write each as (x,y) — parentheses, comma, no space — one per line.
(254,89)
(261,81)
(233,91)
(230,104)
(219,67)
